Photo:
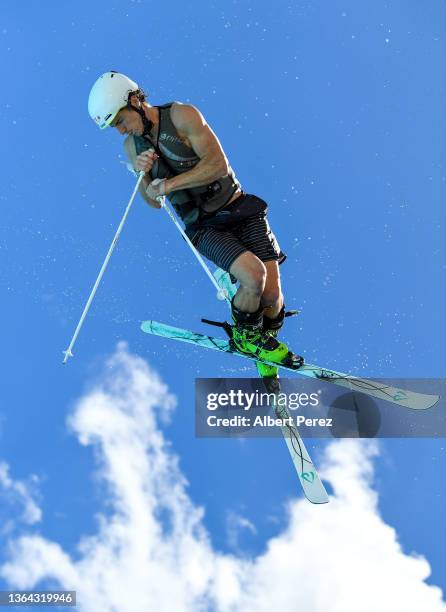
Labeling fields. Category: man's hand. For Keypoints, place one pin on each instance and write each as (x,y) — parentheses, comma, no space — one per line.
(156,189)
(145,160)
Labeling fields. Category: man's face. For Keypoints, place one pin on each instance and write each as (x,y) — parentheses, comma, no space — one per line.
(128,121)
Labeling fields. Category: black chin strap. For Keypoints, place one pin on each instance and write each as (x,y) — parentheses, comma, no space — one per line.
(147,124)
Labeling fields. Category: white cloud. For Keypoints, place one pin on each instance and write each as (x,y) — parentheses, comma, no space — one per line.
(19,494)
(152,552)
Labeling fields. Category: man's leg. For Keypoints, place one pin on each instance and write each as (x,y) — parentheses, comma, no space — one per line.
(252,275)
(273,313)
(258,289)
(272,298)
(247,312)
(259,285)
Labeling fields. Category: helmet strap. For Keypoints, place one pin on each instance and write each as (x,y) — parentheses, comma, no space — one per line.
(147,124)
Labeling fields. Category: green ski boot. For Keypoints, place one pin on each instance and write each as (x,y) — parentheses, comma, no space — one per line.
(272,327)
(249,337)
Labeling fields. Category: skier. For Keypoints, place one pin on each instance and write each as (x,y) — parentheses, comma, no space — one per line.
(174,143)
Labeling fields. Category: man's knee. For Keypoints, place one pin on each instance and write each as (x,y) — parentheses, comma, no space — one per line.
(254,279)
(250,272)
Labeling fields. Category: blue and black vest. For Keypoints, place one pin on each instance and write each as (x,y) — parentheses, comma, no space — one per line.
(175,157)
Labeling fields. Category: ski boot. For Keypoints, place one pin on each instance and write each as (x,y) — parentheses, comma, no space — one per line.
(272,327)
(248,336)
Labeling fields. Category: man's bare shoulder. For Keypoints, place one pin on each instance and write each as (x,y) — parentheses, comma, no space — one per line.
(186,117)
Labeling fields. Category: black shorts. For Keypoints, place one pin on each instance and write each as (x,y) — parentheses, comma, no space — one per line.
(223,241)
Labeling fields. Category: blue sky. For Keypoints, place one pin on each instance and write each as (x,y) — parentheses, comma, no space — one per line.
(333,113)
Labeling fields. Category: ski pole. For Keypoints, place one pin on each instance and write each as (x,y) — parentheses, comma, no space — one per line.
(221,293)
(68,353)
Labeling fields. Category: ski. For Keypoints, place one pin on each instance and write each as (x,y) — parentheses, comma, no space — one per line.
(309,478)
(401,397)
(310,481)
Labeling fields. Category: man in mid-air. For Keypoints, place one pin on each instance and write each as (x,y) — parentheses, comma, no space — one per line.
(174,143)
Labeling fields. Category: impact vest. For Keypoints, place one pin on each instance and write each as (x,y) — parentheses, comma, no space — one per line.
(175,157)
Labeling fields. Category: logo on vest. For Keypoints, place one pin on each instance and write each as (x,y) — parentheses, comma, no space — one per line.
(168,137)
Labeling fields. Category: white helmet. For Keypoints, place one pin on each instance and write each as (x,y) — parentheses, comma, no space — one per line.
(108,95)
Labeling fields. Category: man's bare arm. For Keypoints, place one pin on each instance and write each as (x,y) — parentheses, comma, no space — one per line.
(213,163)
(144,161)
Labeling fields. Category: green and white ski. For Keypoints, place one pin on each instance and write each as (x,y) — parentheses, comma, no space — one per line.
(401,397)
(312,485)
(309,478)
